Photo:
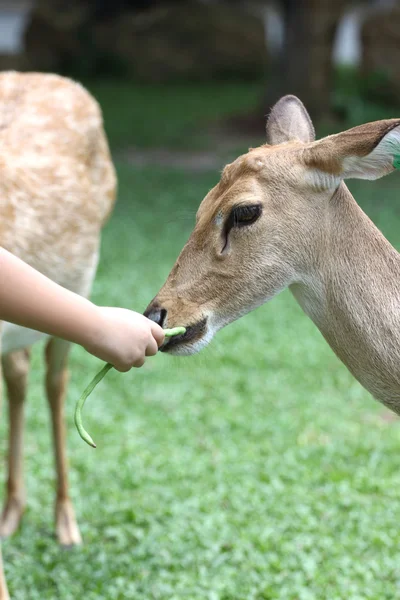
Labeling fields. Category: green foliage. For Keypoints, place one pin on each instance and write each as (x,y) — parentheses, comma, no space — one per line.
(363,98)
(256,470)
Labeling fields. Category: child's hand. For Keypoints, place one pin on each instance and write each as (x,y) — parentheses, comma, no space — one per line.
(124,338)
(119,336)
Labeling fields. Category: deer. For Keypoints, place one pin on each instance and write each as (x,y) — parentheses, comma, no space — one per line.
(57,190)
(282,217)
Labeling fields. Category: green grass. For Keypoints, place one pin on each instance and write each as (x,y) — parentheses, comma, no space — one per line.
(256,470)
(169,115)
(181,116)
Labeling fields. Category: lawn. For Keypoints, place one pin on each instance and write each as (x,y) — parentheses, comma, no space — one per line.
(174,115)
(256,470)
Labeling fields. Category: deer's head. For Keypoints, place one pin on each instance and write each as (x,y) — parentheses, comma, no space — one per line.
(263,227)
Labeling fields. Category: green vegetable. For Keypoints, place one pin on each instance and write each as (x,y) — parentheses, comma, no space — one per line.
(174,331)
(79,405)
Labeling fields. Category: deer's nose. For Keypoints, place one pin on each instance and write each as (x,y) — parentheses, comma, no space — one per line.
(155,313)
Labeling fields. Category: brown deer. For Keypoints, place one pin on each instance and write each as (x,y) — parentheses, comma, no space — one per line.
(281,216)
(57,188)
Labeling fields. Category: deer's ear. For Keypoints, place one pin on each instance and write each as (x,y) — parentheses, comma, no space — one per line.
(365,152)
(289,121)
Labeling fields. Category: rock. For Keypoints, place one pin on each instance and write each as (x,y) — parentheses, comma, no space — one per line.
(187,41)
(55,35)
(176,41)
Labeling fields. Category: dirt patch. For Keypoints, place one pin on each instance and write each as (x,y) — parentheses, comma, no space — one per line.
(221,150)
(164,157)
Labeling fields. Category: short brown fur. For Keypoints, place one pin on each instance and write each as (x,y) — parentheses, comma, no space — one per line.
(359,141)
(311,237)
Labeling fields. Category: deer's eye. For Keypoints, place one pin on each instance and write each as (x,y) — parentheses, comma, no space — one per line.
(245,215)
(240,216)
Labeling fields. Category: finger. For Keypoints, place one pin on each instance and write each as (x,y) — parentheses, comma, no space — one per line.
(139,362)
(152,348)
(157,333)
(122,367)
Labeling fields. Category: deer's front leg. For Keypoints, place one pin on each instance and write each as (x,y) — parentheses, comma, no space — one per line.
(56,384)
(15,369)
(3,586)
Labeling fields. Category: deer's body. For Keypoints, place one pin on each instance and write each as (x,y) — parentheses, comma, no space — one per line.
(281,216)
(57,188)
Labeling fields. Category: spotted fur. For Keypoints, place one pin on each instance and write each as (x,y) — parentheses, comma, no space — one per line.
(57,188)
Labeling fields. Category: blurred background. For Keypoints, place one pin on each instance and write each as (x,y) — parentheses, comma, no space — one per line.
(339,57)
(259,469)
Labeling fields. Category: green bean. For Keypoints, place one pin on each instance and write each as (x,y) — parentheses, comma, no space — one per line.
(174,331)
(79,405)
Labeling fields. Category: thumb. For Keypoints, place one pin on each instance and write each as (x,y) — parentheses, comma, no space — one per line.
(157,333)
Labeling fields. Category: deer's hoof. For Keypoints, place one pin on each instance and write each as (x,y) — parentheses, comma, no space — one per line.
(67,529)
(11,516)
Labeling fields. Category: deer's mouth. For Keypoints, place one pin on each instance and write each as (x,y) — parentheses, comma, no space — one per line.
(189,342)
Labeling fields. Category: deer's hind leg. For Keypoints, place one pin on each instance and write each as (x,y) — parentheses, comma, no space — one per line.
(15,369)
(56,386)
(3,585)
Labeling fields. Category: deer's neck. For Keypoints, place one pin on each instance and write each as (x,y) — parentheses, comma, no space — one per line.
(353,296)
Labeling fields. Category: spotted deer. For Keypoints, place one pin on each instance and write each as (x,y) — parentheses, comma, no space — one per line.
(282,217)
(57,188)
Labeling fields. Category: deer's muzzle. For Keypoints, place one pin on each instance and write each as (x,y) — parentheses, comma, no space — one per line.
(179,344)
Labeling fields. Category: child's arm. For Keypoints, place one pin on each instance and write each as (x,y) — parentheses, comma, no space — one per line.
(116,335)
